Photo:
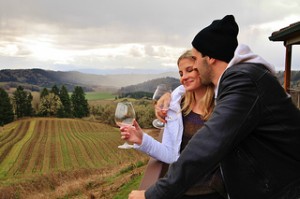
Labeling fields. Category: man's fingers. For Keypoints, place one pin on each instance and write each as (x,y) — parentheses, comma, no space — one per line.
(136,194)
(166,105)
(160,115)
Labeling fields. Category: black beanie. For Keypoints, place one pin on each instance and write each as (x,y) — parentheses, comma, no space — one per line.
(219,39)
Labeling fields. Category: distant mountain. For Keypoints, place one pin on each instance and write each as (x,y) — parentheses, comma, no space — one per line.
(295,78)
(150,85)
(124,71)
(36,78)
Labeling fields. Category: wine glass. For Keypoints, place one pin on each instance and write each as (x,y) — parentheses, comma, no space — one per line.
(160,91)
(124,116)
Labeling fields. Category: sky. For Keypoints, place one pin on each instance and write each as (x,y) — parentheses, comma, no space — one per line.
(134,36)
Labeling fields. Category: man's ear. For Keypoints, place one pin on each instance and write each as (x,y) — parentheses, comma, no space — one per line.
(211,60)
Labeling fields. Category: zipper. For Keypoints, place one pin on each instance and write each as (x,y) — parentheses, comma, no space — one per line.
(228,197)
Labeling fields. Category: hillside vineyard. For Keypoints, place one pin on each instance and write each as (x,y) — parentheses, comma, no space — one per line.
(43,145)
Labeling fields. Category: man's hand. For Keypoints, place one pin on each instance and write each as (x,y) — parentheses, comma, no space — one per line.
(162,107)
(137,194)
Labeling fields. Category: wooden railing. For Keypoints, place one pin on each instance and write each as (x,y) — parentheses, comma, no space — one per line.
(155,169)
(295,94)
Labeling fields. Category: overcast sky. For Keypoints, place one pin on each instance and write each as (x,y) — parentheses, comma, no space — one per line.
(141,35)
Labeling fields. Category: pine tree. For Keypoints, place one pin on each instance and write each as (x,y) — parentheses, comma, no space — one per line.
(28,106)
(19,99)
(22,102)
(55,90)
(65,110)
(80,105)
(44,93)
(6,109)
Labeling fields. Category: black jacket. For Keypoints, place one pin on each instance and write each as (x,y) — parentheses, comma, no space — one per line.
(254,133)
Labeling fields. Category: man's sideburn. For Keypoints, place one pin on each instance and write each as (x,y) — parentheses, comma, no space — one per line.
(205,72)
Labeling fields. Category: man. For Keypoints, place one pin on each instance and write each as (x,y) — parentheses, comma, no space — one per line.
(253,133)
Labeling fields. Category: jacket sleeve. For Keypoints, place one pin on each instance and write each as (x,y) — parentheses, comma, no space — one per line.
(234,117)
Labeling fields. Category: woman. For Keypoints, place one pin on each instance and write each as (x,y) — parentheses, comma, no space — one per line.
(184,117)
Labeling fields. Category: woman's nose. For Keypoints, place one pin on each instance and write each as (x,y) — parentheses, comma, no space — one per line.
(184,76)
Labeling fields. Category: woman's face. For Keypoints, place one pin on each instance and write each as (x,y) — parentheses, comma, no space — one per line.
(189,77)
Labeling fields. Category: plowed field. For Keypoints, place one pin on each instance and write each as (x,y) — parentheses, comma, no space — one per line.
(34,147)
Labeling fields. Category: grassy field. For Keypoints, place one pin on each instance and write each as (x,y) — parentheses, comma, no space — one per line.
(99,96)
(46,155)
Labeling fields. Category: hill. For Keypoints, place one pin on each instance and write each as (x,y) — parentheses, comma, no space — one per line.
(149,86)
(34,79)
(295,78)
(39,155)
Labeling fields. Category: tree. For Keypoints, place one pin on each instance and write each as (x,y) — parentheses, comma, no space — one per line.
(65,110)
(28,106)
(55,90)
(22,102)
(49,105)
(106,114)
(6,108)
(44,93)
(80,105)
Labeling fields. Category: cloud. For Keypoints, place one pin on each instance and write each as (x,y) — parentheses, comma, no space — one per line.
(132,33)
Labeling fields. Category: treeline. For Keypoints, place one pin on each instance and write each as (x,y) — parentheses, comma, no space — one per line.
(136,95)
(146,89)
(55,102)
(295,78)
(143,108)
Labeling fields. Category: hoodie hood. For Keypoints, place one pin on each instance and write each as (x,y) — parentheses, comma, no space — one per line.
(243,54)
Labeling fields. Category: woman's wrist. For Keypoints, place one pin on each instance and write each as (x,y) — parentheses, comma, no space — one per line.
(140,140)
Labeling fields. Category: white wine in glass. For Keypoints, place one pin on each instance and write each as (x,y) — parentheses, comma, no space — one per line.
(124,116)
(160,91)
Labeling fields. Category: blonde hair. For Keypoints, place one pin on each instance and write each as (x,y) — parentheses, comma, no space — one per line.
(189,96)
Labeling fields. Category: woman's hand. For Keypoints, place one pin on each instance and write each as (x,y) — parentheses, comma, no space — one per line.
(133,133)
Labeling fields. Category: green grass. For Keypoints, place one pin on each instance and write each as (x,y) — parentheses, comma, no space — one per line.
(99,95)
(128,187)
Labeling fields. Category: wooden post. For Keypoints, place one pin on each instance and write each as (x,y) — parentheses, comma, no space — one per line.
(298,98)
(287,74)
(155,170)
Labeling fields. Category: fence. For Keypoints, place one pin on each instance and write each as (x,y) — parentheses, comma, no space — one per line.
(295,94)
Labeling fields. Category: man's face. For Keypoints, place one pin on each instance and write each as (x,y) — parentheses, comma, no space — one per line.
(202,65)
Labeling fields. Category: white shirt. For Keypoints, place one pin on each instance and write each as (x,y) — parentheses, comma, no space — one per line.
(168,150)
